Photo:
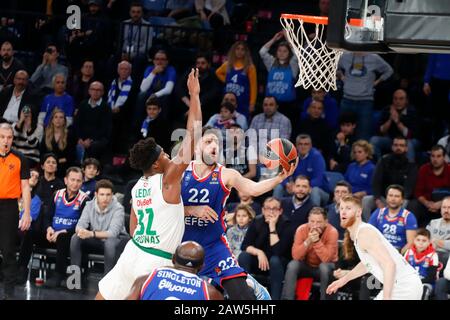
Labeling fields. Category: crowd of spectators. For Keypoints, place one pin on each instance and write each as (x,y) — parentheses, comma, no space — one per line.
(84,105)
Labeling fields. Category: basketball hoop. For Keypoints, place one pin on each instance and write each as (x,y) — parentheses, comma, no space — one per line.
(317,62)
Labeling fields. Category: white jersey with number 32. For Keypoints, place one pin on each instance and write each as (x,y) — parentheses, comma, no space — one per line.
(160,225)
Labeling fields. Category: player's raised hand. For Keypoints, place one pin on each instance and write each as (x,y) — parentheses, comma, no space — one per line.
(192,83)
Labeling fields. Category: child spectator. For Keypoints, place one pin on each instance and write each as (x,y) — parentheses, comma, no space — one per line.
(242,218)
(226,118)
(155,125)
(91,169)
(423,257)
(342,147)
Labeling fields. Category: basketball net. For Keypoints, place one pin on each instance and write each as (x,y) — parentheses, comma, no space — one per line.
(316,61)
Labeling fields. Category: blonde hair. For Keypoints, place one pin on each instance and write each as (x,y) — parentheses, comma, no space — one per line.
(50,132)
(245,207)
(365,145)
(348,247)
(231,60)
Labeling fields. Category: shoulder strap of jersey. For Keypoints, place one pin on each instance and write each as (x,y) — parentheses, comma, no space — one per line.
(58,194)
(380,215)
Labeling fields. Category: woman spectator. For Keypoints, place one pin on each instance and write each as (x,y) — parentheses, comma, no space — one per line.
(27,136)
(56,140)
(239,75)
(360,171)
(283,70)
(158,82)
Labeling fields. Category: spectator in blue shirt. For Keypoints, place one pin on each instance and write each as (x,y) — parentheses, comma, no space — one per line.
(397,224)
(311,165)
(158,82)
(58,99)
(359,172)
(330,111)
(437,84)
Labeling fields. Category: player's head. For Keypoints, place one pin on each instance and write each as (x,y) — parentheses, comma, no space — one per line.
(422,239)
(350,210)
(395,195)
(209,146)
(148,157)
(189,256)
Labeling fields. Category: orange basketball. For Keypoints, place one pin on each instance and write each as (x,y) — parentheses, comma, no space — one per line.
(279,153)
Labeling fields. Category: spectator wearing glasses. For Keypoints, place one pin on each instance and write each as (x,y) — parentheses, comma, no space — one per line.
(265,249)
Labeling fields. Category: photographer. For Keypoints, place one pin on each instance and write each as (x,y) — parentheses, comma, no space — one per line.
(27,136)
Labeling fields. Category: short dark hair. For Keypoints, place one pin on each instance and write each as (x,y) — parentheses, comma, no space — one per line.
(91,161)
(347,117)
(396,187)
(438,147)
(318,210)
(400,137)
(105,184)
(48,155)
(74,169)
(343,183)
(423,232)
(302,177)
(136,4)
(203,55)
(141,154)
(272,97)
(268,199)
(230,107)
(211,129)
(151,101)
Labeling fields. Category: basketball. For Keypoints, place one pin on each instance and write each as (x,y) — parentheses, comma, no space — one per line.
(279,153)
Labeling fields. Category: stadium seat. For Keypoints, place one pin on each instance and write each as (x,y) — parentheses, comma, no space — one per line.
(154,5)
(333,178)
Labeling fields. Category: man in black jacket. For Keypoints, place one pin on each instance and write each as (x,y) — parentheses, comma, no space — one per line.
(92,124)
(211,89)
(9,65)
(297,207)
(266,246)
(393,168)
(14,97)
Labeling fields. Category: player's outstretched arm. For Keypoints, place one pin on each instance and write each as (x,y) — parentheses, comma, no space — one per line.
(244,185)
(356,272)
(379,252)
(184,156)
(135,292)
